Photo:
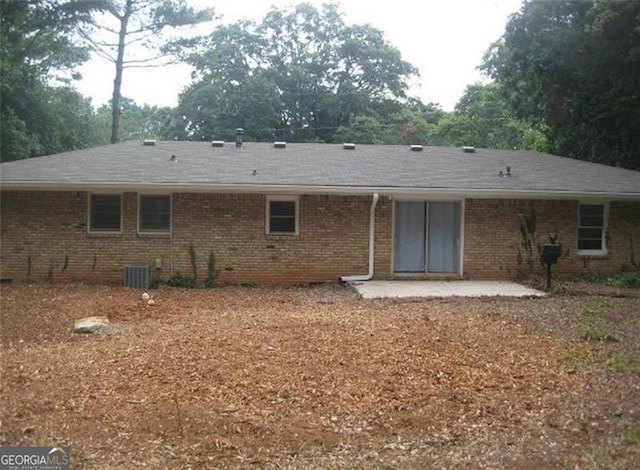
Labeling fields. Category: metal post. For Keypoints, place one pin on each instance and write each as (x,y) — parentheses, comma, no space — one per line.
(548,276)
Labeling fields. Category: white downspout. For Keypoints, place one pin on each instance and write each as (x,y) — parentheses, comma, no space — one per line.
(372,243)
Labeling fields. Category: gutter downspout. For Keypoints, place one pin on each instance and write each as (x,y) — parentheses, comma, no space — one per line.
(372,237)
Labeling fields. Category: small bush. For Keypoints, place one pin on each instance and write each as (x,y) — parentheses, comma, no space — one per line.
(629,279)
(182,280)
(211,271)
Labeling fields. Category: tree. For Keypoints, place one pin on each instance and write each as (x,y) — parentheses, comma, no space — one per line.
(142,23)
(298,75)
(138,122)
(575,68)
(483,118)
(37,51)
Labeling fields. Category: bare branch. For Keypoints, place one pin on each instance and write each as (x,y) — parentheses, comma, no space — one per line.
(143,61)
(97,47)
(149,66)
(141,38)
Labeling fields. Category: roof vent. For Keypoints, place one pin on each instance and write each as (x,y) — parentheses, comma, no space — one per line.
(239,134)
(416,148)
(468,149)
(217,143)
(280,145)
(149,142)
(349,146)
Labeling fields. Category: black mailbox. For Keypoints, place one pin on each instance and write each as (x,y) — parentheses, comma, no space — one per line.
(550,252)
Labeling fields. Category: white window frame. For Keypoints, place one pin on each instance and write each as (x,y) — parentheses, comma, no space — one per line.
(90,218)
(155,232)
(296,200)
(605,226)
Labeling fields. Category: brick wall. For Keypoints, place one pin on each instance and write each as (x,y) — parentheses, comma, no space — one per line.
(44,237)
(493,242)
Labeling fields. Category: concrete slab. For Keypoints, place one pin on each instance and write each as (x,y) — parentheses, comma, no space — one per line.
(397,289)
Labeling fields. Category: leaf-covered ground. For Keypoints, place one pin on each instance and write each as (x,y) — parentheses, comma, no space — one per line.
(315,377)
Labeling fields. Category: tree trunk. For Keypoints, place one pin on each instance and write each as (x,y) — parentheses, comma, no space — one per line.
(116,110)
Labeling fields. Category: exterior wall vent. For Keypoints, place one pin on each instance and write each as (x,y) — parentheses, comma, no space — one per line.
(217,143)
(468,149)
(137,276)
(416,148)
(280,145)
(349,146)
(149,142)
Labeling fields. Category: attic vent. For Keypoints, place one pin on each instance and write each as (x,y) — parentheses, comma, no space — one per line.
(149,142)
(349,146)
(280,145)
(217,143)
(416,148)
(467,149)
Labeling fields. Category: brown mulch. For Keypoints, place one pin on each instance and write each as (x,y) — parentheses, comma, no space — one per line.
(314,377)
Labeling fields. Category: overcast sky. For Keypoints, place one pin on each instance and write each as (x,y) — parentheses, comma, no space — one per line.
(444,39)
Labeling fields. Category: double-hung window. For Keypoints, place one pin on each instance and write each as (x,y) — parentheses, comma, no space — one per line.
(282,215)
(592,229)
(154,214)
(105,213)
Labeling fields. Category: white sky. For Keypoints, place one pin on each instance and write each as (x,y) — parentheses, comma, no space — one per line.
(444,39)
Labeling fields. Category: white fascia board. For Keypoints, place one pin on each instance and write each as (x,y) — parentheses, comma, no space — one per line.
(311,189)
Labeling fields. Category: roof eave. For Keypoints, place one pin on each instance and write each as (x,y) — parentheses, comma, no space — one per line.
(313,189)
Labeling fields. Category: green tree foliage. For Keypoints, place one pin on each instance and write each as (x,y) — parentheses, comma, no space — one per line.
(37,49)
(298,75)
(124,23)
(138,122)
(575,67)
(483,118)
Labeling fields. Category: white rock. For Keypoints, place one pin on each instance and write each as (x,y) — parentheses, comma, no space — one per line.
(145,296)
(90,324)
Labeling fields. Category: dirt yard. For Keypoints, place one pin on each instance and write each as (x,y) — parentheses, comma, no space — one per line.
(315,377)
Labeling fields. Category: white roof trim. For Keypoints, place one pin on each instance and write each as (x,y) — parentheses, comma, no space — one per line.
(310,189)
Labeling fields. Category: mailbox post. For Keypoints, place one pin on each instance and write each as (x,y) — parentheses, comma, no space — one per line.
(549,254)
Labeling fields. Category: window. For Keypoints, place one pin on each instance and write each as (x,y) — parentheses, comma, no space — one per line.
(282,215)
(154,214)
(104,213)
(592,225)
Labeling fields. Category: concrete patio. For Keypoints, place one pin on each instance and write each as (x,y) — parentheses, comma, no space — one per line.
(399,289)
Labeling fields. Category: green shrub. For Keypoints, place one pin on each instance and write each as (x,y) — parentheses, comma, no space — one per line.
(211,271)
(182,280)
(630,279)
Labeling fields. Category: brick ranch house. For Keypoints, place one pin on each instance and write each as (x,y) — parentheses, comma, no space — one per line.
(296,213)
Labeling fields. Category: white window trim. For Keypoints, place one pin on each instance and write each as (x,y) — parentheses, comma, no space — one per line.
(605,228)
(155,232)
(89,220)
(295,199)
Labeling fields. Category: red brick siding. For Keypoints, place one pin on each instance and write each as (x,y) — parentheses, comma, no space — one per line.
(44,236)
(43,229)
(493,244)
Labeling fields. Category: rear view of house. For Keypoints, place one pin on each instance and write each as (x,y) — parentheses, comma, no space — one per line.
(294,213)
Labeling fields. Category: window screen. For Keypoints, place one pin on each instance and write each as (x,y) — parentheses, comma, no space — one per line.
(155,214)
(104,213)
